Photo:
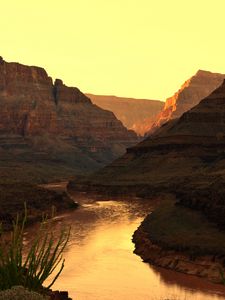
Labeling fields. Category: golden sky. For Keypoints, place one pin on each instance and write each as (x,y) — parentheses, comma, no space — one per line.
(137,48)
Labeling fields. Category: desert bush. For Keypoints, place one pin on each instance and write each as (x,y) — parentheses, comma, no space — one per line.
(43,257)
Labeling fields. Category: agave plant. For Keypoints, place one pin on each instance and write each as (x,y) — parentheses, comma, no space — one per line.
(43,257)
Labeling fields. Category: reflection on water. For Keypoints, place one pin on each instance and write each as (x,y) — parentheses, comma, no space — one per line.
(100,264)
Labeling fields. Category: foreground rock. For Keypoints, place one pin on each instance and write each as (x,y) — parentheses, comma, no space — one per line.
(58,295)
(19,293)
(190,94)
(135,114)
(50,126)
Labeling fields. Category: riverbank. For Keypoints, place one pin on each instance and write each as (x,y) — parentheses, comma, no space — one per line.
(39,201)
(101,234)
(183,240)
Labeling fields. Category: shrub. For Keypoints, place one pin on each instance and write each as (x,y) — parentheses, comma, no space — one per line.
(42,259)
(20,293)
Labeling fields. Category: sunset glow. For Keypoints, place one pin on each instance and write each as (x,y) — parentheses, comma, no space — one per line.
(141,48)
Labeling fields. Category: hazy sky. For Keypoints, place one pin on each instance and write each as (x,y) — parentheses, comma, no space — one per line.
(137,48)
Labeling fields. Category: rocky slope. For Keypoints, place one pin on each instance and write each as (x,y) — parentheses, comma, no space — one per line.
(184,158)
(50,123)
(180,149)
(190,94)
(135,114)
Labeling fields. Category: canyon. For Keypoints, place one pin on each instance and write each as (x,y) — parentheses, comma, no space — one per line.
(49,131)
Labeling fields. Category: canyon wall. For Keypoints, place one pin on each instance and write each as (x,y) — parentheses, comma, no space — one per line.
(35,112)
(190,94)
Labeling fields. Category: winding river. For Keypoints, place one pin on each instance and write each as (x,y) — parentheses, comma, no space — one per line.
(100,264)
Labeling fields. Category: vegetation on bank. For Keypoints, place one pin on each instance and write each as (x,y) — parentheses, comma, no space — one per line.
(32,267)
(183,229)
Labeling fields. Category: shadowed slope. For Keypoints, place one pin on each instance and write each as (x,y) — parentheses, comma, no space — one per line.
(189,149)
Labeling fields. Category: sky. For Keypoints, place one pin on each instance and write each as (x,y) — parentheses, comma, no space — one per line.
(132,48)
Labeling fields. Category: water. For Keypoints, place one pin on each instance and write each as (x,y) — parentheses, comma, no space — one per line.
(100,264)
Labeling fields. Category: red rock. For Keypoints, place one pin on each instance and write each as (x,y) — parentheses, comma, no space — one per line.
(31,105)
(190,94)
(42,121)
(59,295)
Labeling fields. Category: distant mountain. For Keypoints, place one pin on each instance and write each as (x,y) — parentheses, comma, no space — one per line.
(135,114)
(50,127)
(190,94)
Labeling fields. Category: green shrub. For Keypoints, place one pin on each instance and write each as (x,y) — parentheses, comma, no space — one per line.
(42,259)
(20,293)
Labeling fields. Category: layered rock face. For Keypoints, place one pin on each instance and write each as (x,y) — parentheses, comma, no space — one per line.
(135,114)
(185,153)
(190,94)
(32,106)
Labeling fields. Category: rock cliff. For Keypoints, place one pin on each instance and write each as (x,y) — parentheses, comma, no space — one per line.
(185,154)
(135,114)
(190,94)
(37,115)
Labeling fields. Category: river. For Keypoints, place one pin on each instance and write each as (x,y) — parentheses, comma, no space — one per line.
(100,264)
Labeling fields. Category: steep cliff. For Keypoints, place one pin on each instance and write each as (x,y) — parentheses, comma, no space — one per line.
(190,94)
(43,120)
(135,114)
